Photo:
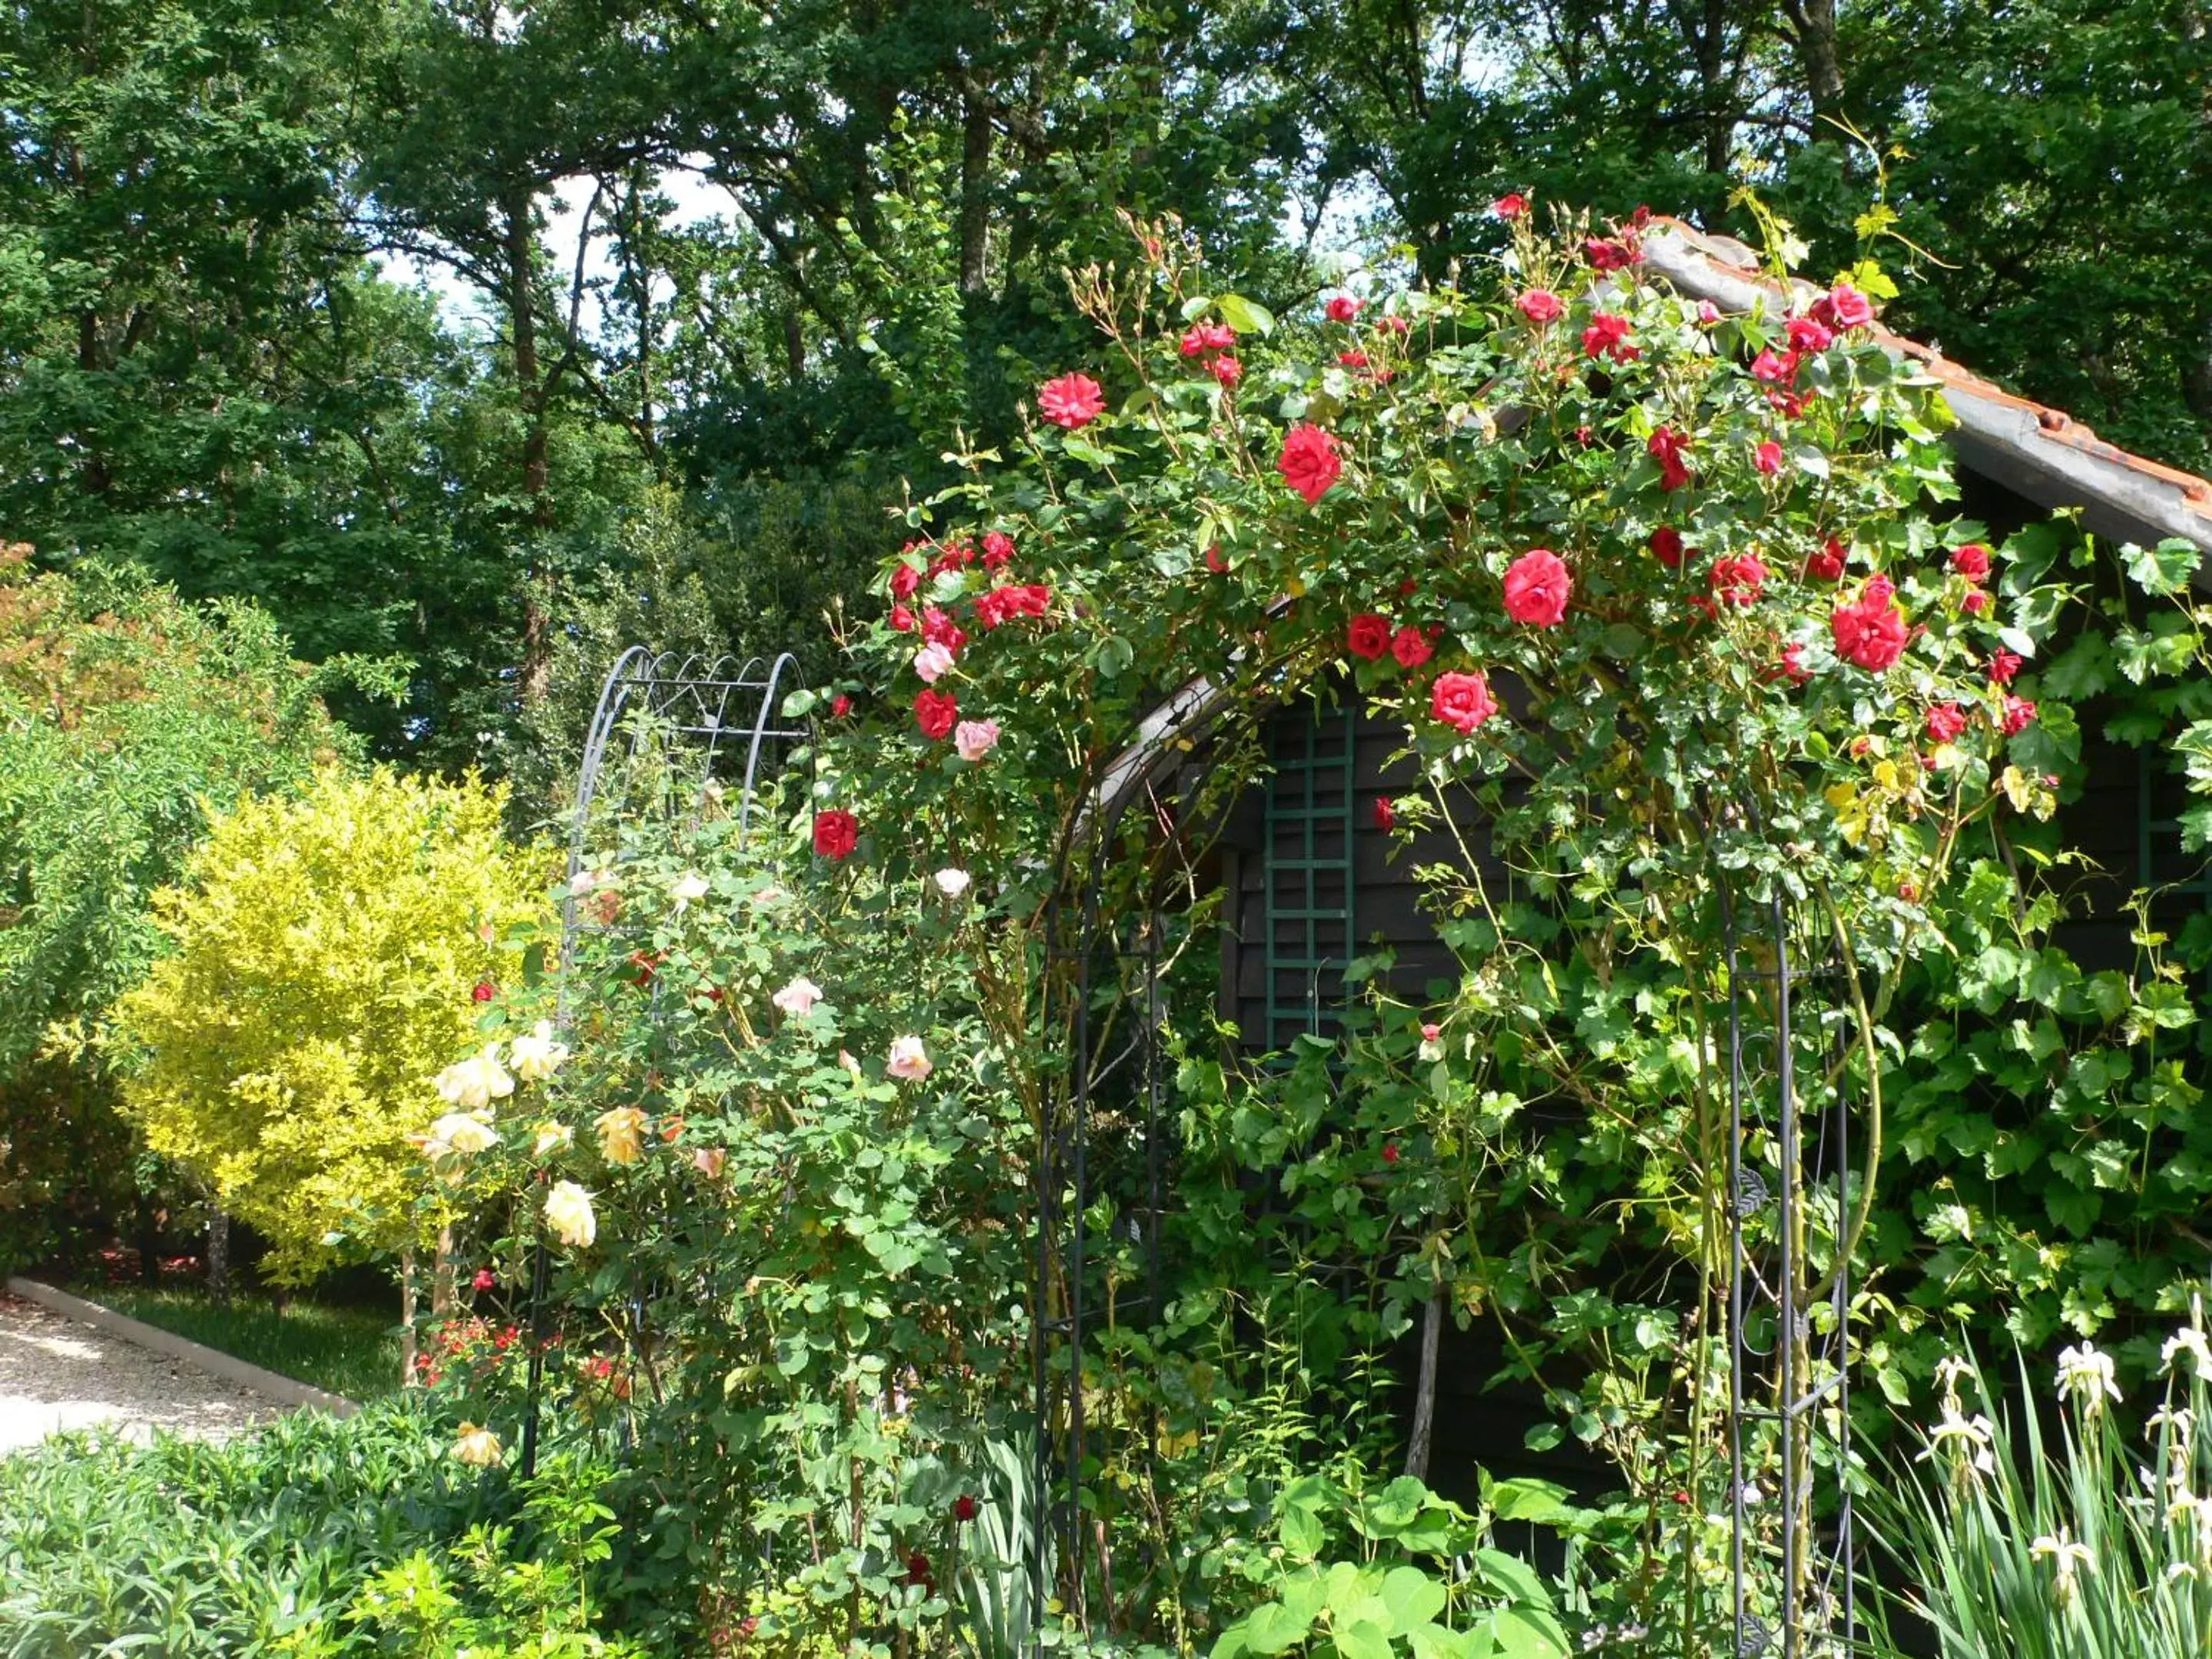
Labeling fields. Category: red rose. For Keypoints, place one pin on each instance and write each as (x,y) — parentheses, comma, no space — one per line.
(936,713)
(1870,631)
(1666,545)
(836,832)
(1773,369)
(1072,401)
(1608,337)
(1369,636)
(1214,561)
(1609,253)
(902,619)
(2018,713)
(1667,447)
(1945,721)
(484,1280)
(1768,458)
(997,550)
(1352,358)
(905,578)
(1827,564)
(1541,306)
(840,705)
(483,991)
(1193,342)
(1386,816)
(1971,561)
(1809,334)
(1738,579)
(2003,664)
(1462,702)
(1389,1152)
(1536,589)
(1343,308)
(1792,666)
(940,629)
(1511,206)
(1309,463)
(1411,646)
(1584,436)
(1974,602)
(1228,371)
(1393,325)
(964,1508)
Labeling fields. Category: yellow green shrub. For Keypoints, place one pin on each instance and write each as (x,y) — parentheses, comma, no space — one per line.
(324,955)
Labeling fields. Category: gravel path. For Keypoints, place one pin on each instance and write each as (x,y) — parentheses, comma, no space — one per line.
(57,1373)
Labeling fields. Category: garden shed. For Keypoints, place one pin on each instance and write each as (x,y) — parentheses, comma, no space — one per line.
(1311,874)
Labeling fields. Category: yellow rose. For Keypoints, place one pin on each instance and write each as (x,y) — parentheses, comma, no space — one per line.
(622,1134)
(569,1212)
(477,1448)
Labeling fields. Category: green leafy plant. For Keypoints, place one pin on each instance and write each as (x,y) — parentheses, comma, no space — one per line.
(2008,1546)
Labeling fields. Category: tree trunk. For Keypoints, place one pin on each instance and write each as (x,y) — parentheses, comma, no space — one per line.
(218,1257)
(531,394)
(407,1377)
(1424,1388)
(442,1299)
(1814,23)
(975,191)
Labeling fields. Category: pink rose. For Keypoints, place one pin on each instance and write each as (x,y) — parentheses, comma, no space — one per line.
(1511,206)
(908,1060)
(1462,702)
(1072,401)
(1768,458)
(933,662)
(1536,589)
(1541,306)
(1309,462)
(973,739)
(1344,308)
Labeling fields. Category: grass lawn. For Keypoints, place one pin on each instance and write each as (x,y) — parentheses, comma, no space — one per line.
(354,1352)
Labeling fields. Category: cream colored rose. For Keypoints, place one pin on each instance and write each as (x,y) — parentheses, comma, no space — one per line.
(689,887)
(537,1057)
(622,1134)
(473,1084)
(552,1138)
(477,1448)
(569,1212)
(457,1133)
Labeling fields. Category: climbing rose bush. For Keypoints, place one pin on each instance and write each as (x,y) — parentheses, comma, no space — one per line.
(1660,601)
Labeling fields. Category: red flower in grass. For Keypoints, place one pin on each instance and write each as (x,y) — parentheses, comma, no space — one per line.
(1309,462)
(1536,589)
(836,832)
(1462,702)
(1369,636)
(1072,401)
(483,991)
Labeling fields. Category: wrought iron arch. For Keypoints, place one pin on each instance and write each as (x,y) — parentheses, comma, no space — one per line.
(722,715)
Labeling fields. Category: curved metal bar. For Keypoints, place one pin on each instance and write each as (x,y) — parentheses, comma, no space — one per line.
(761,731)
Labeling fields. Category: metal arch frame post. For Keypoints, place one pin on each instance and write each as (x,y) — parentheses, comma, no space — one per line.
(667,685)
(1798,1400)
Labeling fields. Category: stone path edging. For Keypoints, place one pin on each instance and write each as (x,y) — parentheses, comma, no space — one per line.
(282,1389)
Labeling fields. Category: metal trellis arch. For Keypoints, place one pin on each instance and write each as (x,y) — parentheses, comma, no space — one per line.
(725,716)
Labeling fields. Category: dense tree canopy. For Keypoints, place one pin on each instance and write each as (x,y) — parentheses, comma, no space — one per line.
(699,268)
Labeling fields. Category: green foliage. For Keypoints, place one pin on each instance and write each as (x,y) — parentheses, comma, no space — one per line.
(128,715)
(325,952)
(2099,1546)
(294,1540)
